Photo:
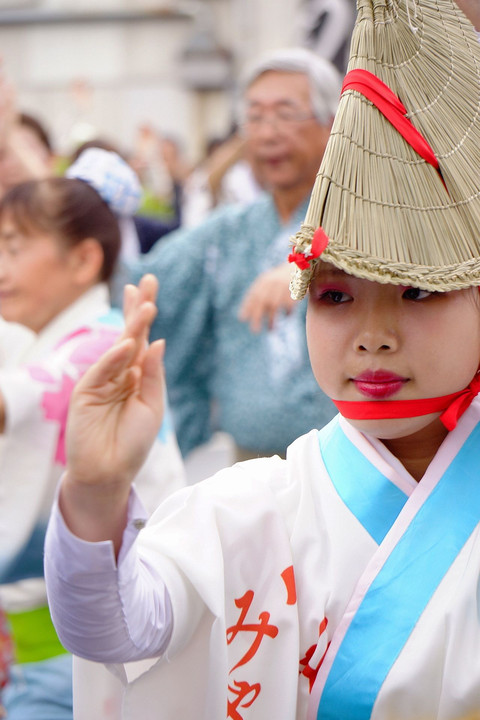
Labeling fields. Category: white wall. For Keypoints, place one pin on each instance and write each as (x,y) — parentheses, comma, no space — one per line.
(132,68)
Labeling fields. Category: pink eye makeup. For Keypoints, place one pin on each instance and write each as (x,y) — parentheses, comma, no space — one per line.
(333,291)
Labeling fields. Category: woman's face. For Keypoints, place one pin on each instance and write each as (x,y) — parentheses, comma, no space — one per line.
(37,276)
(369,341)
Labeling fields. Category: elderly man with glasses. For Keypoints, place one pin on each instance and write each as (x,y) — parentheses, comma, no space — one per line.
(236,349)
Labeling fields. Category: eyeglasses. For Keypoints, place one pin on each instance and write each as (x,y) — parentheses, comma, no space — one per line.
(283,119)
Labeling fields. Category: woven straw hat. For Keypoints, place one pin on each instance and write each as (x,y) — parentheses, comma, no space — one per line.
(398,200)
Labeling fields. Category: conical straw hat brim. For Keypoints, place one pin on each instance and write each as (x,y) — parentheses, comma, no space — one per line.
(388,214)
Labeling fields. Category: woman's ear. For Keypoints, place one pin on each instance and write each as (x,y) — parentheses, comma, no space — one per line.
(86,259)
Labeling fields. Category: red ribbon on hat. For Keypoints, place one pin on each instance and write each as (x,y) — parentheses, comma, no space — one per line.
(391,107)
(451,406)
(319,243)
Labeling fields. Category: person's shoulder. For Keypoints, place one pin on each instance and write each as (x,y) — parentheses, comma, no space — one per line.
(262,485)
(243,484)
(248,476)
(270,473)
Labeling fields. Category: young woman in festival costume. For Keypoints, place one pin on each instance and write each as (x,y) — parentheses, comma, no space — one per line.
(59,241)
(343,581)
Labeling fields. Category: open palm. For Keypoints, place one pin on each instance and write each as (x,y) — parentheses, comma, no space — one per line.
(115,414)
(117,407)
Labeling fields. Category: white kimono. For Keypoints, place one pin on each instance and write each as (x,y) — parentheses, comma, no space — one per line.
(36,389)
(14,339)
(330,585)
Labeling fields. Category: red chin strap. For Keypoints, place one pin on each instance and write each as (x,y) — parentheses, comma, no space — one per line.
(451,406)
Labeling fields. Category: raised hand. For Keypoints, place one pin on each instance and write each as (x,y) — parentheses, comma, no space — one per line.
(8,109)
(268,295)
(115,413)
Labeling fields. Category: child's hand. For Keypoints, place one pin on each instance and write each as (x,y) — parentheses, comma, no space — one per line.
(115,413)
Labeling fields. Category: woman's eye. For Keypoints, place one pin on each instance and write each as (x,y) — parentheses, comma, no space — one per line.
(416,294)
(335,297)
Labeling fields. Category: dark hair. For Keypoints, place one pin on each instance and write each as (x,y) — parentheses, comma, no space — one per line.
(26,120)
(95,143)
(69,209)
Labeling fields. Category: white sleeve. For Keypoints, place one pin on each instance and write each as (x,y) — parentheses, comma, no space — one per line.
(104,611)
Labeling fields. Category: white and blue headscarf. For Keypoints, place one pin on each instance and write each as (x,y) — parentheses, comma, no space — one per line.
(111,177)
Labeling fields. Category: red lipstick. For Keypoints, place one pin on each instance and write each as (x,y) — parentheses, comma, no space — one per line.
(379,384)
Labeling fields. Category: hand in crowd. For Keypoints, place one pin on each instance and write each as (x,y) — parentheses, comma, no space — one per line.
(222,159)
(25,153)
(267,296)
(8,108)
(177,167)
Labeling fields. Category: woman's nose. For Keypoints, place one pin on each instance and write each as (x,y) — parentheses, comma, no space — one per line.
(371,345)
(376,334)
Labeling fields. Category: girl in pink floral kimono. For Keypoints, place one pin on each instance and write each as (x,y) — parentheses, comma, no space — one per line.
(59,241)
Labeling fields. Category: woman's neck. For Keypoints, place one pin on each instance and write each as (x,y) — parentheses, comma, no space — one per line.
(416,451)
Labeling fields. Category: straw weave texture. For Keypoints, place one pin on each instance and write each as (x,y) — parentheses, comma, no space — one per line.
(387,212)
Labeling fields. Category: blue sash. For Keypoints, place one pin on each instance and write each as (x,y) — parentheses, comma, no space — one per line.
(407,581)
(374,500)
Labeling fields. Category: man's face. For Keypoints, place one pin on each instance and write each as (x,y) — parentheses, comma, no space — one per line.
(285,142)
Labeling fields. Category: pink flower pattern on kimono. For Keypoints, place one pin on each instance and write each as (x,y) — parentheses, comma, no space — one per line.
(56,397)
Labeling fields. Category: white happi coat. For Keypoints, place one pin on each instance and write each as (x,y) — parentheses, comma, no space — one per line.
(329,585)
(36,389)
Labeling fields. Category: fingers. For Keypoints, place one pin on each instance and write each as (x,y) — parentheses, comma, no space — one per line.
(145,291)
(139,322)
(259,309)
(248,310)
(256,318)
(129,295)
(148,287)
(267,296)
(152,383)
(139,311)
(254,311)
(114,361)
(134,296)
